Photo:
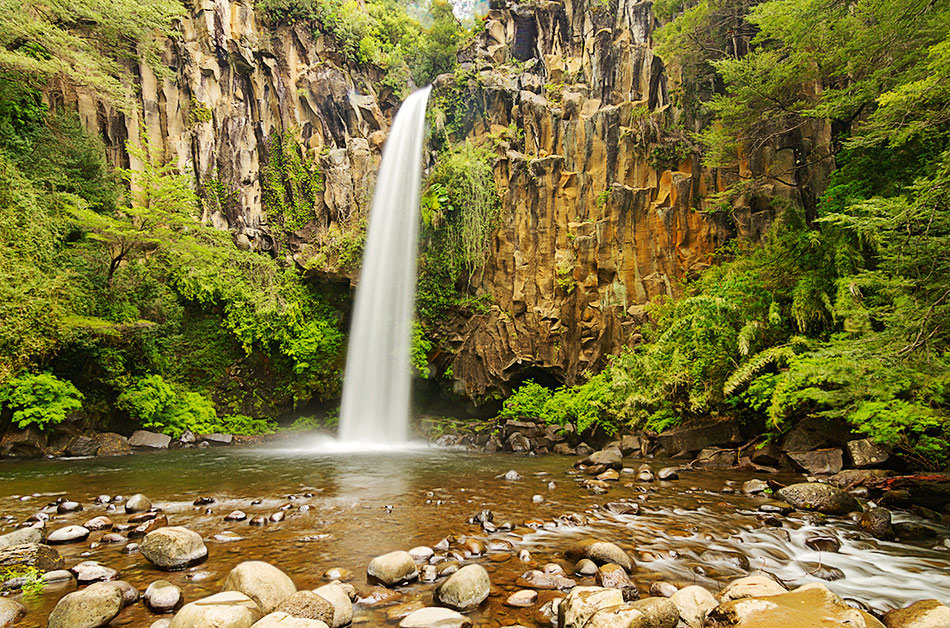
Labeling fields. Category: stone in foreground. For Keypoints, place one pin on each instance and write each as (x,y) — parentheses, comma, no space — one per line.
(693,604)
(434,617)
(222,610)
(751,586)
(307,605)
(820,497)
(465,589)
(812,605)
(283,620)
(922,614)
(582,602)
(92,607)
(267,585)
(162,597)
(602,553)
(10,612)
(173,548)
(393,568)
(342,605)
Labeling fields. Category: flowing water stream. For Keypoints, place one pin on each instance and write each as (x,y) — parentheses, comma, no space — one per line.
(343,509)
(375,408)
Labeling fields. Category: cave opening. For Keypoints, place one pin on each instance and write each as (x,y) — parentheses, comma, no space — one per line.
(526,38)
(548,377)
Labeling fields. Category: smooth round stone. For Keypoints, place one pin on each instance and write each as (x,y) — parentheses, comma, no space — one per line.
(137,503)
(11,611)
(69,534)
(57,576)
(67,507)
(92,607)
(337,573)
(228,609)
(259,520)
(537,499)
(309,605)
(465,589)
(278,619)
(162,597)
(236,515)
(112,537)
(662,589)
(393,568)
(267,585)
(91,571)
(522,598)
(435,616)
(823,543)
(99,523)
(585,567)
(337,596)
(103,499)
(421,554)
(173,548)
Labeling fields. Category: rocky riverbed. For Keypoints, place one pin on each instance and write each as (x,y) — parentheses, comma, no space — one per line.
(490,540)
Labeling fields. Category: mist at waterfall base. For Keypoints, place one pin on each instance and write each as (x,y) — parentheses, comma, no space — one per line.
(375,409)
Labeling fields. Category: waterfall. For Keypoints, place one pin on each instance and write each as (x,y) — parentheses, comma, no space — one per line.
(376,382)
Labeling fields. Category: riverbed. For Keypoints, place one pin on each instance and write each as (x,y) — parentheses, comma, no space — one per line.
(342,508)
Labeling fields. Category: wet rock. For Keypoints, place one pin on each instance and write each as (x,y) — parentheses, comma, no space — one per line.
(865,453)
(278,619)
(92,607)
(31,535)
(43,557)
(612,576)
(447,568)
(421,553)
(697,438)
(267,585)
(393,568)
(754,487)
(851,478)
(819,497)
(582,602)
(751,586)
(144,528)
(693,604)
(715,458)
(277,517)
(307,605)
(112,444)
(877,523)
(811,605)
(537,579)
(522,598)
(163,597)
(668,474)
(601,553)
(610,475)
(663,589)
(68,506)
(823,543)
(161,623)
(631,445)
(130,595)
(203,501)
(624,616)
(342,605)
(816,433)
(659,612)
(235,515)
(173,548)
(819,461)
(68,534)
(608,458)
(518,443)
(773,506)
(10,612)
(585,567)
(57,577)
(222,610)
(434,617)
(512,476)
(91,571)
(142,517)
(137,503)
(28,443)
(922,614)
(465,589)
(82,446)
(99,523)
(913,531)
(622,508)
(337,573)
(143,439)
(259,520)
(822,571)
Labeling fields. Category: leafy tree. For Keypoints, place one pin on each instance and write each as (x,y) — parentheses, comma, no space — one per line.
(39,400)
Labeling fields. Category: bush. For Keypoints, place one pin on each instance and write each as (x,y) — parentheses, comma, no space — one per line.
(40,400)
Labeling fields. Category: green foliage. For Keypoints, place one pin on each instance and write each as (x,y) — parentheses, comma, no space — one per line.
(84,44)
(33,582)
(420,349)
(39,400)
(291,183)
(527,402)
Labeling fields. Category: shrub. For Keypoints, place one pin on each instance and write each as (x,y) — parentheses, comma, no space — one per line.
(40,400)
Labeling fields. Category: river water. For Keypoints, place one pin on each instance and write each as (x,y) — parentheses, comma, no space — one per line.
(359,505)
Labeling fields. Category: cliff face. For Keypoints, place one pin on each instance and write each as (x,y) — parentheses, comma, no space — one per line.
(603,207)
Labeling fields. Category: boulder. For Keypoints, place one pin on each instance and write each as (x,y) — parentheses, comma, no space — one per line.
(518,443)
(816,433)
(137,503)
(82,446)
(307,605)
(812,605)
(163,597)
(751,586)
(216,439)
(608,458)
(173,548)
(754,487)
(222,610)
(922,614)
(877,523)
(582,602)
(631,445)
(11,612)
(715,458)
(68,534)
(393,568)
(537,579)
(820,497)
(91,571)
(624,616)
(601,552)
(522,598)
(434,617)
(694,439)
(43,557)
(28,443)
(143,439)
(267,585)
(342,605)
(660,612)
(29,536)
(865,453)
(823,543)
(668,474)
(819,461)
(130,595)
(112,444)
(611,576)
(99,523)
(693,604)
(92,607)
(283,620)
(465,589)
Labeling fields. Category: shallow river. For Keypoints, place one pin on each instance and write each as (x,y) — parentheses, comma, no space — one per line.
(365,504)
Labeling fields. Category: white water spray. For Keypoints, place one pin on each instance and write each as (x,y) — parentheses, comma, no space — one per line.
(376,382)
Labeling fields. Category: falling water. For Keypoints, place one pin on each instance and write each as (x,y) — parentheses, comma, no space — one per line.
(376,383)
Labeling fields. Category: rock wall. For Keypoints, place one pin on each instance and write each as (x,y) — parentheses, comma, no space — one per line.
(593,226)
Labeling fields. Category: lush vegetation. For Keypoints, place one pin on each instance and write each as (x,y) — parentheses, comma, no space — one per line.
(844,312)
(404,44)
